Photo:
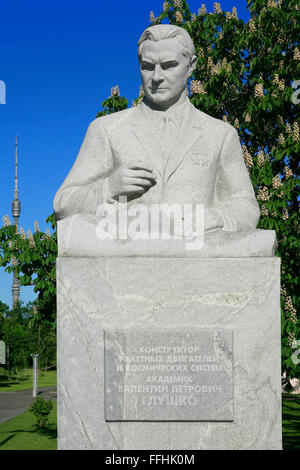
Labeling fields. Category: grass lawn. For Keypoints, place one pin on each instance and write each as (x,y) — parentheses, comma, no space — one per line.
(22,433)
(23,380)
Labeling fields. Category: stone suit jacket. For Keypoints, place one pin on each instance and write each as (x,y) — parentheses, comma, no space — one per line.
(204,166)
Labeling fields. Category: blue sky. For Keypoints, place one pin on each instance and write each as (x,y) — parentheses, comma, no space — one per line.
(59,60)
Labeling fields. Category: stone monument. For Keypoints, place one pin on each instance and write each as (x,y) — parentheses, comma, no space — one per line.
(168,295)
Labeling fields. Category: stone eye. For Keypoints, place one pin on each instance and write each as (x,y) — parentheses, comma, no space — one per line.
(147,66)
(168,65)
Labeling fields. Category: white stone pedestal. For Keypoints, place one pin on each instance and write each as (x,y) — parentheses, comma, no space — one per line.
(138,297)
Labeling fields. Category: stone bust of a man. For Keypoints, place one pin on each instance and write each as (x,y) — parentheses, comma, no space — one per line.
(164,150)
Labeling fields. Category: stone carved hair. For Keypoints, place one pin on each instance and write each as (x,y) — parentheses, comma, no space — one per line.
(166,31)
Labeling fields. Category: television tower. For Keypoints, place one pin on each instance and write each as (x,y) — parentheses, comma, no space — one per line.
(16,210)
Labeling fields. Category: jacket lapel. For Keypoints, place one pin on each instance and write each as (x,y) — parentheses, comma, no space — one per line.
(190,131)
(147,138)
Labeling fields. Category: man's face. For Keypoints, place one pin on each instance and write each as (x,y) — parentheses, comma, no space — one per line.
(164,71)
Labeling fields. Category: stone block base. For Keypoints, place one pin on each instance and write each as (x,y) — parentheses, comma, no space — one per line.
(227,309)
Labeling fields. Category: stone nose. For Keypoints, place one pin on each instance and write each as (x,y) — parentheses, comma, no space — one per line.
(157,75)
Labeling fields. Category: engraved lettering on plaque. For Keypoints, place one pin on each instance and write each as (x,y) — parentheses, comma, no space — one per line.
(169,375)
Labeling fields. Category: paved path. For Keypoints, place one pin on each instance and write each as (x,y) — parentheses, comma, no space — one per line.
(14,403)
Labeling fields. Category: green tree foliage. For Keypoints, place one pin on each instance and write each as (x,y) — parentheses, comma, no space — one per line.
(244,75)
(33,257)
(30,329)
(17,336)
(25,334)
(4,309)
(114,103)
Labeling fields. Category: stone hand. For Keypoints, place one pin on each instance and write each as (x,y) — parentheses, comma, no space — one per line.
(131,182)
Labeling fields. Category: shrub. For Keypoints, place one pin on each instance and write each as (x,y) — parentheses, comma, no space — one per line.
(41,410)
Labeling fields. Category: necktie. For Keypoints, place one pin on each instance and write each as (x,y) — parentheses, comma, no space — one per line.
(167,136)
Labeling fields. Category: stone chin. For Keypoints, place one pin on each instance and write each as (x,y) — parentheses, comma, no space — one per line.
(162,97)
